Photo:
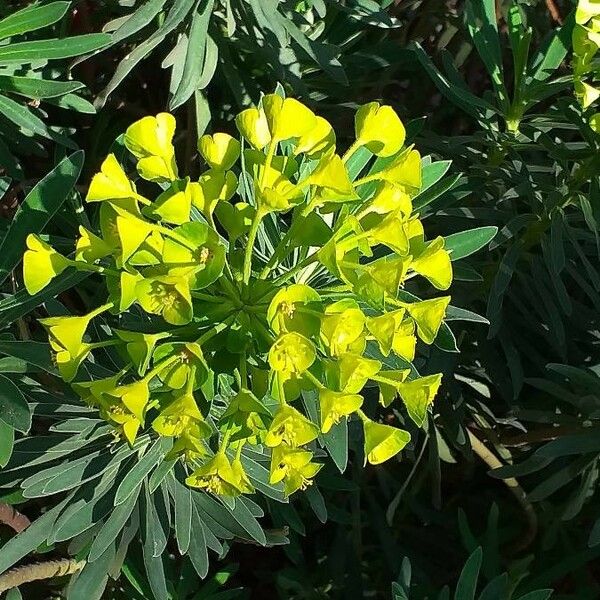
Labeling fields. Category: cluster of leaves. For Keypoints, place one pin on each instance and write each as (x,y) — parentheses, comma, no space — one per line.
(27,71)
(230,35)
(586,41)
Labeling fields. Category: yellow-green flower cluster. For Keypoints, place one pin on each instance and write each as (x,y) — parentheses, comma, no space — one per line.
(223,301)
(586,62)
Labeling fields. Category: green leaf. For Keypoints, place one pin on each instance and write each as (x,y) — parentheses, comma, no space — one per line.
(14,594)
(467,242)
(435,191)
(91,582)
(31,87)
(35,353)
(14,410)
(139,472)
(594,538)
(467,101)
(22,117)
(433,172)
(32,18)
(569,445)
(30,538)
(27,52)
(7,441)
(537,595)
(38,208)
(113,526)
(138,20)
(453,313)
(553,52)
(73,102)
(19,304)
(81,515)
(176,15)
(182,498)
(467,582)
(195,57)
(483,27)
(197,550)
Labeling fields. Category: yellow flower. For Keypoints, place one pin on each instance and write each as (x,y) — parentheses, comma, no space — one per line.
(335,405)
(217,477)
(291,354)
(167,296)
(290,427)
(175,418)
(293,466)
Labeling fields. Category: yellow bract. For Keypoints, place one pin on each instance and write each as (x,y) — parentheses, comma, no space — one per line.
(252,124)
(318,140)
(379,129)
(220,150)
(150,141)
(586,43)
(111,183)
(41,264)
(383,441)
(287,118)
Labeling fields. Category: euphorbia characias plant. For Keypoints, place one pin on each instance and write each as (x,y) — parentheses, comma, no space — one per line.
(198,295)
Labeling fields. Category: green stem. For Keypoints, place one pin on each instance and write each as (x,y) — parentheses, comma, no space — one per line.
(243,370)
(104,344)
(215,330)
(160,366)
(313,380)
(268,161)
(367,179)
(250,247)
(207,297)
(175,236)
(282,250)
(83,266)
(353,148)
(301,265)
(362,416)
(225,441)
(143,200)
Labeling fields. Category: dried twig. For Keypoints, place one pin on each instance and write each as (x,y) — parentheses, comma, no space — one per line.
(513,485)
(13,518)
(554,12)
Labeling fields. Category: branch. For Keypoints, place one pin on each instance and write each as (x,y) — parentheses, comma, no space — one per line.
(513,485)
(34,572)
